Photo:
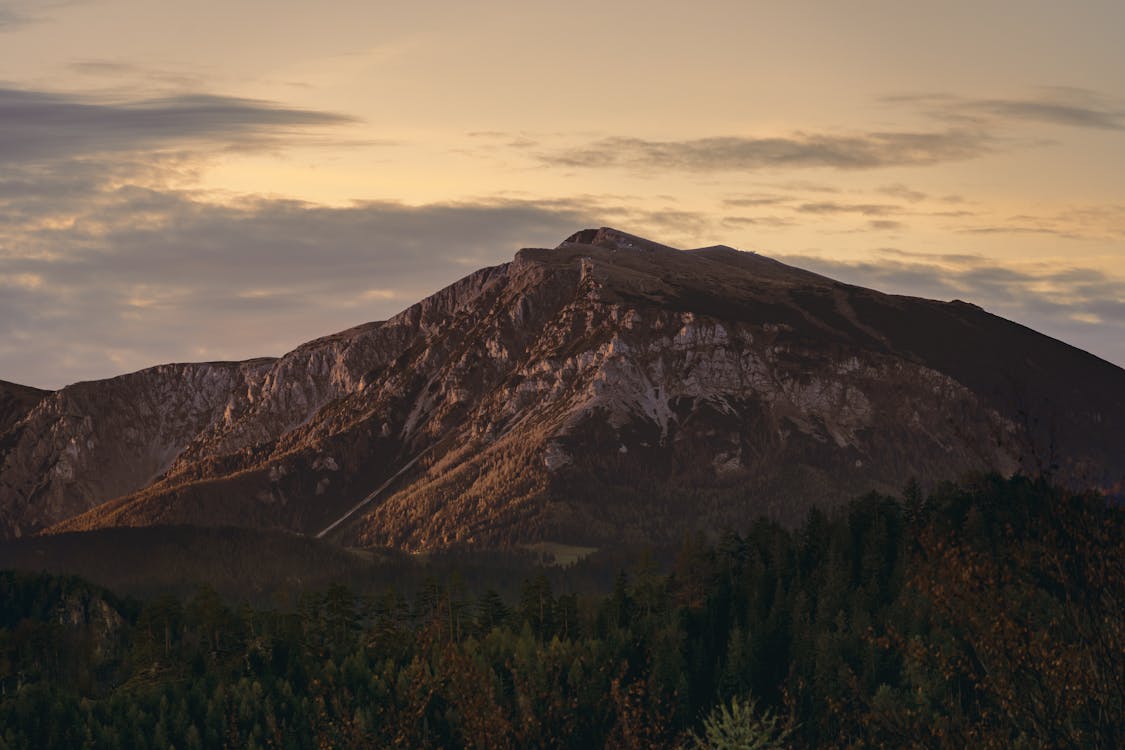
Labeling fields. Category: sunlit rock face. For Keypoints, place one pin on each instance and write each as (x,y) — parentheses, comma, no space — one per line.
(609,389)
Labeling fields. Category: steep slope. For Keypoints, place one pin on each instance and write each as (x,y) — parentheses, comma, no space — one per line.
(608,389)
(16,401)
(92,441)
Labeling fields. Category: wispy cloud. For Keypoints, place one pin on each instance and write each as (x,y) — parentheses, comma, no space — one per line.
(960,129)
(884,225)
(768,221)
(10,18)
(859,210)
(1098,222)
(871,150)
(120,73)
(14,14)
(902,192)
(1056,113)
(1057,105)
(763,210)
(836,207)
(37,126)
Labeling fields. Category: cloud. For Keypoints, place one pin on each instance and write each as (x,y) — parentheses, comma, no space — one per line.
(38,126)
(111,260)
(835,207)
(755,201)
(100,275)
(1057,105)
(771,222)
(10,18)
(878,215)
(121,74)
(870,211)
(1093,222)
(15,14)
(108,264)
(872,150)
(962,129)
(1020,229)
(97,278)
(943,259)
(1054,113)
(902,192)
(1083,306)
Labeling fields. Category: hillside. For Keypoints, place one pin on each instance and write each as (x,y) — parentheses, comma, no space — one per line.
(609,390)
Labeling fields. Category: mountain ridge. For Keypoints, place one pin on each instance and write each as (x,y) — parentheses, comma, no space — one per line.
(16,401)
(701,387)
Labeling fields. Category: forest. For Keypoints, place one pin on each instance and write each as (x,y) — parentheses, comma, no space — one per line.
(985,614)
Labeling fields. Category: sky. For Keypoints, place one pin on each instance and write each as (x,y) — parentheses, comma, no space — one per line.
(224,180)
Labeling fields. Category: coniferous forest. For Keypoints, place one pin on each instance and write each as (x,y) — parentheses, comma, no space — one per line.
(987,614)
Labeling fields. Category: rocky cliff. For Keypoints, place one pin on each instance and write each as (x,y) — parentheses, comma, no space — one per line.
(608,389)
(15,402)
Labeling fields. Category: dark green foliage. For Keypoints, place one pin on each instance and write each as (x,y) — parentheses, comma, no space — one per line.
(739,726)
(986,615)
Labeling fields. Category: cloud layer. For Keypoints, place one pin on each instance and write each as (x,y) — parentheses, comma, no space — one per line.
(965,129)
(110,261)
(138,276)
(37,126)
(722,154)
(1055,105)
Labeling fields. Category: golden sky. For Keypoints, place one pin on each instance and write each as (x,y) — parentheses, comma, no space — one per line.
(228,179)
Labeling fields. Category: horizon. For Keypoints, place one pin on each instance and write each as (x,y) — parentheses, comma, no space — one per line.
(286,353)
(175,189)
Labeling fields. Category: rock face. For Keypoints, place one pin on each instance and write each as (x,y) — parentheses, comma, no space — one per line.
(16,401)
(610,389)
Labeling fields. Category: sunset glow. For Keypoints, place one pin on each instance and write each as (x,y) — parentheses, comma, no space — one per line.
(237,178)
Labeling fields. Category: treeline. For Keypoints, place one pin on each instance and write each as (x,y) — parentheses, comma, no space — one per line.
(987,615)
(271,568)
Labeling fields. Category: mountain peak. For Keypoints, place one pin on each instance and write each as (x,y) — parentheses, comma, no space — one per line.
(613,239)
(612,389)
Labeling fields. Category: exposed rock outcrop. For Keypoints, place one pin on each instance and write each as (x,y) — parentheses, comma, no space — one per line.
(611,388)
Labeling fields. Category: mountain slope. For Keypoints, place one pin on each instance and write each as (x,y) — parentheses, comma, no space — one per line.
(16,401)
(608,389)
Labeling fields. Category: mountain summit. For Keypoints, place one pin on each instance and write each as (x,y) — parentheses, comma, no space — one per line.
(609,389)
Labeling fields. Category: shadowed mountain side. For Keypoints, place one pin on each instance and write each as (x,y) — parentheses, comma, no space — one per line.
(611,389)
(16,401)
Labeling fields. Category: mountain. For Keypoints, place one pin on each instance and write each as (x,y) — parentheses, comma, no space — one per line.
(15,402)
(609,390)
